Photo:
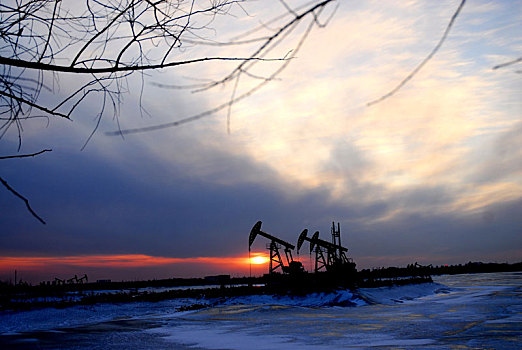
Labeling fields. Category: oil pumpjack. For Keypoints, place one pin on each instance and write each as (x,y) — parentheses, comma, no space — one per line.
(292,267)
(333,268)
(336,260)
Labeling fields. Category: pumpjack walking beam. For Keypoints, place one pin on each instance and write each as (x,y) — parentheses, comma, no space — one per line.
(331,248)
(275,243)
(320,261)
(335,254)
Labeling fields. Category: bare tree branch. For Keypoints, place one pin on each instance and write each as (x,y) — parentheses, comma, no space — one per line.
(429,57)
(106,42)
(502,65)
(221,107)
(12,190)
(25,155)
(32,104)
(116,68)
(265,46)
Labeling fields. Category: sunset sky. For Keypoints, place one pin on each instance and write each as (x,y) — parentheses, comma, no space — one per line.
(432,174)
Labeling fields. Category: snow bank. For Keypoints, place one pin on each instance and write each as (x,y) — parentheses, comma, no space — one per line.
(360,297)
(339,298)
(400,294)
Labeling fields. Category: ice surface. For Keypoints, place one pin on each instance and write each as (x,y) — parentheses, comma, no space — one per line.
(212,337)
(234,338)
(51,319)
(462,311)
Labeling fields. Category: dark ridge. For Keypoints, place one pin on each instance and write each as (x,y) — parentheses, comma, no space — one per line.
(24,296)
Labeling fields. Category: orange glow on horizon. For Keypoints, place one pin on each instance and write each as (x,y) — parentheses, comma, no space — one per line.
(130,266)
(117,261)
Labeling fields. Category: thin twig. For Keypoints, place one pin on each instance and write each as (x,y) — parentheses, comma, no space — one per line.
(502,65)
(416,70)
(34,105)
(231,102)
(22,198)
(214,110)
(26,155)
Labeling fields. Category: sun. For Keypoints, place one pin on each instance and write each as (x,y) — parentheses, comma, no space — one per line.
(257,260)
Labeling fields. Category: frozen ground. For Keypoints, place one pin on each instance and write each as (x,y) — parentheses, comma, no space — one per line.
(482,311)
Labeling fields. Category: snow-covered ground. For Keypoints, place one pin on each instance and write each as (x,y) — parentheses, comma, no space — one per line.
(476,311)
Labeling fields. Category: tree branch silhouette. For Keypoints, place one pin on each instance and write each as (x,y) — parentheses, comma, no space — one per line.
(26,155)
(243,69)
(423,63)
(506,64)
(117,68)
(13,191)
(105,43)
(26,201)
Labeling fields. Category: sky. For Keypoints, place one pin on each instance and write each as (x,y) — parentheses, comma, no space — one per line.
(432,174)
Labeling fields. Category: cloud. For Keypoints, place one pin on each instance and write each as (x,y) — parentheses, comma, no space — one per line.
(501,158)
(431,174)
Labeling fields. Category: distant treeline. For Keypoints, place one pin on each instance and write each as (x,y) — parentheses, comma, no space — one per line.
(411,270)
(31,301)
(475,267)
(48,289)
(429,270)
